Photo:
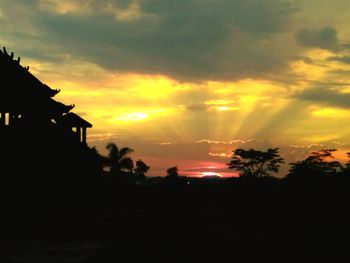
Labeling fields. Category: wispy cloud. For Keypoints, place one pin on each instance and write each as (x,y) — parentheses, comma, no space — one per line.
(224,155)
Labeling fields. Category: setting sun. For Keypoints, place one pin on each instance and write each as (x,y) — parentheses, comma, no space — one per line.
(209,174)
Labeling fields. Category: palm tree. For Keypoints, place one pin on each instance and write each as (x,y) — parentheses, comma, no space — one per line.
(118,159)
(141,170)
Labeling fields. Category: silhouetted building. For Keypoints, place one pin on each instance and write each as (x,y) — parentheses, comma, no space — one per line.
(74,122)
(39,137)
(26,102)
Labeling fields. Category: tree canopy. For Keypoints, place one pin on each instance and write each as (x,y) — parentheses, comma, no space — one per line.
(255,163)
(172,172)
(317,164)
(140,171)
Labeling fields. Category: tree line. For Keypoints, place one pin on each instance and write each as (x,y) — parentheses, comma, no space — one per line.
(249,163)
(119,163)
(256,164)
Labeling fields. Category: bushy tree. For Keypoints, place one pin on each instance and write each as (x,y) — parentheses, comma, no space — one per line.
(254,163)
(172,172)
(173,177)
(346,167)
(140,171)
(319,163)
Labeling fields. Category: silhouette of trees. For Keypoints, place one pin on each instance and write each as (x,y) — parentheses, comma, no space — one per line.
(140,171)
(172,172)
(319,163)
(118,160)
(173,176)
(254,163)
(346,167)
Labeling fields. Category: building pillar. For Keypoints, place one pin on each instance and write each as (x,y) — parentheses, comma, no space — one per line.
(7,119)
(84,134)
(2,120)
(12,119)
(79,133)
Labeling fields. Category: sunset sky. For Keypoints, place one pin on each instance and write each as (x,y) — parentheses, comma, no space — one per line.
(186,82)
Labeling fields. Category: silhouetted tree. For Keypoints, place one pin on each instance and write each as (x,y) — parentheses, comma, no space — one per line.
(173,172)
(140,171)
(254,163)
(346,167)
(118,159)
(173,176)
(319,163)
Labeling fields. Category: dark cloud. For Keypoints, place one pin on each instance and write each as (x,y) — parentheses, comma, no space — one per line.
(197,107)
(325,96)
(343,59)
(187,40)
(325,38)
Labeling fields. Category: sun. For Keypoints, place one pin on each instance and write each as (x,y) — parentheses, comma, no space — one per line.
(209,174)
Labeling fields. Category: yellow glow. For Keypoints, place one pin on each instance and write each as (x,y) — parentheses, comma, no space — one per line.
(226,108)
(312,71)
(308,71)
(224,155)
(331,113)
(219,102)
(345,90)
(114,101)
(60,7)
(132,117)
(322,138)
(249,99)
(154,87)
(133,12)
(210,174)
(321,54)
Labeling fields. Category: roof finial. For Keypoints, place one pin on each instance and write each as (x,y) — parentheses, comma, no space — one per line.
(18,60)
(11,55)
(5,51)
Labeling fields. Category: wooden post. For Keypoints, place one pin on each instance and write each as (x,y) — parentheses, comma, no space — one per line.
(84,134)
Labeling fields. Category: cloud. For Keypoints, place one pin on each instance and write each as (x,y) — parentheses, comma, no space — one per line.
(223,155)
(187,40)
(324,38)
(237,142)
(342,59)
(212,105)
(327,96)
(196,107)
(208,141)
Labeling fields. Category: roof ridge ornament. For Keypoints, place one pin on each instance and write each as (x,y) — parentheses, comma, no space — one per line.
(11,56)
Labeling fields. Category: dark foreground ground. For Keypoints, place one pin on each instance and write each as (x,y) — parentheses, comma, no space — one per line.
(213,222)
